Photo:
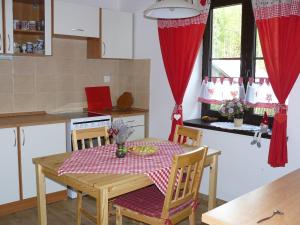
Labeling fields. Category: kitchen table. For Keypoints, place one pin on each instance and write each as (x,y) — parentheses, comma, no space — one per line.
(105,186)
(282,194)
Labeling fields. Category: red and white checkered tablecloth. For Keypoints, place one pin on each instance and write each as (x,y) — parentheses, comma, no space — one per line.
(103,160)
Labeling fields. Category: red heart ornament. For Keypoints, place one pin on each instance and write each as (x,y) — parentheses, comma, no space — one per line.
(202,2)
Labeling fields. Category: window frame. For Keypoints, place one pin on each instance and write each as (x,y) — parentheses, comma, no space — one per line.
(248,53)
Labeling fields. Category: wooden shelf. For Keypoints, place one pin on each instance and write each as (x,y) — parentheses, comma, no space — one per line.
(37,32)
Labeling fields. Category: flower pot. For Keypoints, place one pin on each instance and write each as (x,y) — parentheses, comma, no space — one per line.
(238,122)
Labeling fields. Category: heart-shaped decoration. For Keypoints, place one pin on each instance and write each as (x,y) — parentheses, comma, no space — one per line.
(177,116)
(203,2)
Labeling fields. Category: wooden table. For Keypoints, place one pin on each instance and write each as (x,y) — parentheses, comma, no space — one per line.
(282,194)
(104,186)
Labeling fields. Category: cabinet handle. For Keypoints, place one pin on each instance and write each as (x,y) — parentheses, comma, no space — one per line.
(8,36)
(130,121)
(77,29)
(23,143)
(104,48)
(15,143)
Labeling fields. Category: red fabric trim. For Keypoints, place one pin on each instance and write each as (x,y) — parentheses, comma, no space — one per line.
(276,9)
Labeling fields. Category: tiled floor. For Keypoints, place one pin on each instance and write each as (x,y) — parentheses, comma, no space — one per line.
(63,213)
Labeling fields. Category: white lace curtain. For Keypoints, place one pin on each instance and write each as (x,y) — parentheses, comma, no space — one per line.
(259,92)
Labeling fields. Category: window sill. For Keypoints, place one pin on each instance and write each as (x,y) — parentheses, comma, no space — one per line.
(206,125)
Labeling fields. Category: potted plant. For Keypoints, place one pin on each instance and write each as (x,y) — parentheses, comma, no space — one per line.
(120,132)
(234,109)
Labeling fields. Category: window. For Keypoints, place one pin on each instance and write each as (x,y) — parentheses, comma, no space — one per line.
(231,48)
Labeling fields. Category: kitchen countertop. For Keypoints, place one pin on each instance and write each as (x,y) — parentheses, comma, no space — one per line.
(41,117)
(28,119)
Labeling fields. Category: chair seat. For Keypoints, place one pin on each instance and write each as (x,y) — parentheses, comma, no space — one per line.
(148,201)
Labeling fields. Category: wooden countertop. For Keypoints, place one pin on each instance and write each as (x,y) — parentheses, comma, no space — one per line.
(282,194)
(29,119)
(41,117)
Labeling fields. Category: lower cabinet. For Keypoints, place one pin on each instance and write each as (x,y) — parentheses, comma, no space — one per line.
(37,141)
(18,146)
(9,174)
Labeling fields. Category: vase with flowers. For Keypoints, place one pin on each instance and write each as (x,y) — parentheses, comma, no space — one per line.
(234,109)
(120,133)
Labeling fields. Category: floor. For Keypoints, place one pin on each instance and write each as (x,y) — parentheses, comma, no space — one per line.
(63,213)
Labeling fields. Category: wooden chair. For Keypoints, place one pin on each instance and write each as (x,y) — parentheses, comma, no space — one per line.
(150,206)
(88,138)
(188,136)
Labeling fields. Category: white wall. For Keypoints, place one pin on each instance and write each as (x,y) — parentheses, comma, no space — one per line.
(242,167)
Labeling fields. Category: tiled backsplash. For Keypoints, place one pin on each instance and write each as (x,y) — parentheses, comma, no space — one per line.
(57,83)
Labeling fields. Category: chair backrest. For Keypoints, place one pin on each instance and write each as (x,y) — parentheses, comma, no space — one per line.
(87,137)
(187,135)
(185,178)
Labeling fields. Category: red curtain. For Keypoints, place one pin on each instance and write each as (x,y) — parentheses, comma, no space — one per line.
(278,24)
(180,40)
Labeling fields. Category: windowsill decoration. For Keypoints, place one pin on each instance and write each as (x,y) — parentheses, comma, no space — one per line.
(120,133)
(234,109)
(264,128)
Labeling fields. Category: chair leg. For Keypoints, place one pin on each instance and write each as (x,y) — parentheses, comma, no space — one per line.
(118,216)
(192,218)
(79,206)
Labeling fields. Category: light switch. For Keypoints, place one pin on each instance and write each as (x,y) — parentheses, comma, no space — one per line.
(107,79)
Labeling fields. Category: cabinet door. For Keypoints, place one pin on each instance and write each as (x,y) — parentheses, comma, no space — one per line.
(9,187)
(76,19)
(1,28)
(9,37)
(37,141)
(116,34)
(48,27)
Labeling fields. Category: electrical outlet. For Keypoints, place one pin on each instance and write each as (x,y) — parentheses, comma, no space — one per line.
(106,79)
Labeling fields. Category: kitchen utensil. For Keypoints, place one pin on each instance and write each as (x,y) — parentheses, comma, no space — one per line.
(23,48)
(98,98)
(24,25)
(32,25)
(38,25)
(16,24)
(275,212)
(29,47)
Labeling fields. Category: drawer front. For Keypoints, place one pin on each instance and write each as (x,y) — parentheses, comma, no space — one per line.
(133,121)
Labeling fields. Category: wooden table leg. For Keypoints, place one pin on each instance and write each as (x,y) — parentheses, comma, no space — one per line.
(102,207)
(41,195)
(213,175)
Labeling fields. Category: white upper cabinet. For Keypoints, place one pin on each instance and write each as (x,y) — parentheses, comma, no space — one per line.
(9,32)
(75,19)
(1,29)
(28,27)
(116,34)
